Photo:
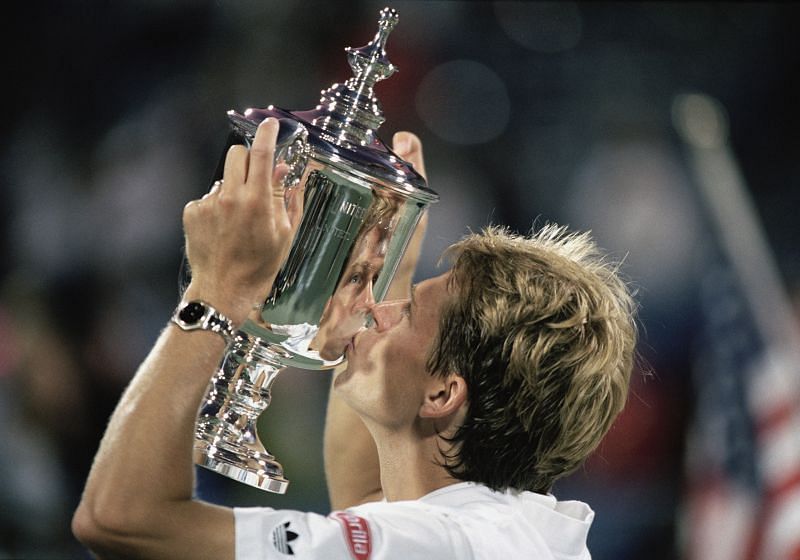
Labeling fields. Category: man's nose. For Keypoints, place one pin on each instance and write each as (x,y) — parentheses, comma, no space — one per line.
(365,299)
(387,314)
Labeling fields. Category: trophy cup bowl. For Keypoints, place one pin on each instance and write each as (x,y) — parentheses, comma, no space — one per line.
(361,204)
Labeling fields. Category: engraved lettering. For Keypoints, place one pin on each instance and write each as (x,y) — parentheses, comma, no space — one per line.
(350,209)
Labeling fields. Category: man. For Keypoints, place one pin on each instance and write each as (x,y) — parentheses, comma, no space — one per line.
(458,408)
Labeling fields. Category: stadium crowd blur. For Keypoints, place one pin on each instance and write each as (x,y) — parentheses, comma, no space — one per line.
(115,117)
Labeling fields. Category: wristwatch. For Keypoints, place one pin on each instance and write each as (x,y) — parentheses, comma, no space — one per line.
(197,314)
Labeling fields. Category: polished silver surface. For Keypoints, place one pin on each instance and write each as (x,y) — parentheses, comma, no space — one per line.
(350,113)
(226,439)
(361,204)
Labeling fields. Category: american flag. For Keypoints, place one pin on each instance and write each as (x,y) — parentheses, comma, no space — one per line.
(743,452)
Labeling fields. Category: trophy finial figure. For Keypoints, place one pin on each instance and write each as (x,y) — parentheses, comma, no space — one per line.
(369,63)
(350,112)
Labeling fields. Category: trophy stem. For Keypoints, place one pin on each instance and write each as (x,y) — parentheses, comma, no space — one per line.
(226,437)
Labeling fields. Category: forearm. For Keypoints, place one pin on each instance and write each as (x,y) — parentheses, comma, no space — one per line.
(149,438)
(138,498)
(142,479)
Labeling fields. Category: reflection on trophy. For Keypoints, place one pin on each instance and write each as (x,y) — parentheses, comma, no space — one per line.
(361,204)
(345,311)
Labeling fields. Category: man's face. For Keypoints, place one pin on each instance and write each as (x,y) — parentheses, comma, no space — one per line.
(346,310)
(386,371)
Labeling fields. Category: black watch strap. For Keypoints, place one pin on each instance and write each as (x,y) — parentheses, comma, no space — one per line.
(198,315)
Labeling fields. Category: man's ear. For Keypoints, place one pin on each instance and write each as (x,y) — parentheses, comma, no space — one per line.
(444,397)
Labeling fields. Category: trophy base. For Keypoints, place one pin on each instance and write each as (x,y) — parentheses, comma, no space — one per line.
(259,470)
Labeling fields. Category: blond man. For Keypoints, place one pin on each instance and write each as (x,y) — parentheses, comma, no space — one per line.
(458,408)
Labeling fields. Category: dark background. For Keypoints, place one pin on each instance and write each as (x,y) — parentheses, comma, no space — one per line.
(113,118)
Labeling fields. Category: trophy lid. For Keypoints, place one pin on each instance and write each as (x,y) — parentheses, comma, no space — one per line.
(342,128)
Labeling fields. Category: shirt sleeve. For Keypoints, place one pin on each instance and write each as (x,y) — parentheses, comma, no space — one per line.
(378,531)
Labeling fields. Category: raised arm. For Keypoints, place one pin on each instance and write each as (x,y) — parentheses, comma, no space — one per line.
(351,458)
(138,498)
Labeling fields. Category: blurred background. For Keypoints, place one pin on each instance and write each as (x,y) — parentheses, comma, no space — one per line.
(621,118)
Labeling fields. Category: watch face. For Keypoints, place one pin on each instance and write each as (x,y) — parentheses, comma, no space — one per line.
(192,312)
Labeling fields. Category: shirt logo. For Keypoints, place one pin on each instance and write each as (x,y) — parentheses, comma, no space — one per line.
(356,532)
(282,538)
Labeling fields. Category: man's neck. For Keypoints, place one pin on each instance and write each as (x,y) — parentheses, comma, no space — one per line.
(411,467)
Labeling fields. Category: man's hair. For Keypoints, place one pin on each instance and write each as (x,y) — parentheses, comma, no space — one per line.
(542,329)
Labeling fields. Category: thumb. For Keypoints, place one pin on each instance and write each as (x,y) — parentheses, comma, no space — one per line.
(409,147)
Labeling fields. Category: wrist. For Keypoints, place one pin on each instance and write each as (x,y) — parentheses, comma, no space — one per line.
(236,307)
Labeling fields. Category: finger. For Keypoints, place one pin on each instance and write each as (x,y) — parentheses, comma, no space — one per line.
(409,147)
(278,177)
(262,153)
(235,171)
(192,214)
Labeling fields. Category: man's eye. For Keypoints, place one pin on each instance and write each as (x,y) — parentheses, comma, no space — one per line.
(355,278)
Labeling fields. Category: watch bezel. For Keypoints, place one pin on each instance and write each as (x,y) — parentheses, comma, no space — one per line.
(210,320)
(196,323)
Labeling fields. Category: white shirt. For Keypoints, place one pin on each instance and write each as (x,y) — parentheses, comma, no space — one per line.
(461,522)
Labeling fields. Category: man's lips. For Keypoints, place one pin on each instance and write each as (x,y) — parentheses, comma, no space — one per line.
(351,345)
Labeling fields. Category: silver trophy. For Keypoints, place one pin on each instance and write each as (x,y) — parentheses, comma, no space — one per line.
(361,206)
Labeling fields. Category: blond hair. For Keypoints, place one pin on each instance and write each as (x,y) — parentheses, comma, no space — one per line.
(542,329)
